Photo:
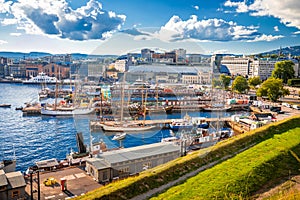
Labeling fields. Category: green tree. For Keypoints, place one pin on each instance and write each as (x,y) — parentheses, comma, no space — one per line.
(225,80)
(222,82)
(272,88)
(240,84)
(216,83)
(284,70)
(254,81)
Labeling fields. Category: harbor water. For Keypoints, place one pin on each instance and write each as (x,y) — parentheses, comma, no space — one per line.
(35,138)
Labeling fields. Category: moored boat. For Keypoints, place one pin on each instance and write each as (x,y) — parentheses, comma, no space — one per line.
(41,78)
(189,122)
(3,105)
(125,127)
(119,136)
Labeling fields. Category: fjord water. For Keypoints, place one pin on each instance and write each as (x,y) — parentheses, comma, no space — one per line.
(35,138)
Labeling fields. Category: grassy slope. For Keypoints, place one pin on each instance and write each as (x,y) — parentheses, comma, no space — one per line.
(163,174)
(244,174)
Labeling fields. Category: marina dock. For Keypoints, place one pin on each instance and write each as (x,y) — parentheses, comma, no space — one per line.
(163,123)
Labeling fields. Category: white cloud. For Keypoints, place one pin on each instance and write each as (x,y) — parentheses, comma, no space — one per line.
(196,7)
(209,30)
(241,6)
(3,42)
(288,11)
(59,19)
(267,38)
(296,33)
(16,34)
(276,29)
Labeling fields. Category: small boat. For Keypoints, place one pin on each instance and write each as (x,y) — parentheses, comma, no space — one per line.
(19,108)
(119,136)
(188,123)
(5,105)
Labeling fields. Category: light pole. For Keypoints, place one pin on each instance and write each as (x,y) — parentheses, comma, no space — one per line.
(31,189)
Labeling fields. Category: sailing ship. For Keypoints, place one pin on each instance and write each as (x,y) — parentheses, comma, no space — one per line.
(65,108)
(123,126)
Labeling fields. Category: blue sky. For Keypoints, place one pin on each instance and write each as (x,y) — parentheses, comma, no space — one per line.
(122,26)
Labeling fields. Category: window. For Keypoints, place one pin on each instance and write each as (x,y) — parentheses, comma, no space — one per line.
(104,175)
(15,194)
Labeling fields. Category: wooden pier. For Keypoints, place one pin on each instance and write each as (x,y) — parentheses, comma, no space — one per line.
(96,124)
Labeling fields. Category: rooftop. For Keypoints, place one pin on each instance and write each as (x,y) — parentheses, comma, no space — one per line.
(138,152)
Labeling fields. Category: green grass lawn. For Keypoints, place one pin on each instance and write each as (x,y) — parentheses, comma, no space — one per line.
(240,176)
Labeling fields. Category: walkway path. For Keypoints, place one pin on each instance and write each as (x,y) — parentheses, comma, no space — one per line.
(152,192)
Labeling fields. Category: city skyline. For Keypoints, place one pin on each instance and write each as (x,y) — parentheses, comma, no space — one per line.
(119,27)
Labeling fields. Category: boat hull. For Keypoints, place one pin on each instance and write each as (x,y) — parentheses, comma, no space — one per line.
(67,112)
(188,126)
(116,128)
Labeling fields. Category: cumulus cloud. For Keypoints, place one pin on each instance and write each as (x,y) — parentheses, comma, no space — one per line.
(57,18)
(241,7)
(288,11)
(267,38)
(196,7)
(276,29)
(177,29)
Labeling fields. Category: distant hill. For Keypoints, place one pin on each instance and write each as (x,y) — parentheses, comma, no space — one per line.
(291,50)
(294,51)
(22,55)
(19,55)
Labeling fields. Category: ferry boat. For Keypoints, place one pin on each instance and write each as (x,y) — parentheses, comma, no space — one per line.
(41,78)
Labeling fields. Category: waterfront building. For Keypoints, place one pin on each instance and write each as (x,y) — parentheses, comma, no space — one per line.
(237,65)
(190,78)
(33,70)
(121,65)
(174,72)
(194,58)
(12,185)
(122,163)
(180,55)
(262,68)
(205,77)
(56,70)
(146,55)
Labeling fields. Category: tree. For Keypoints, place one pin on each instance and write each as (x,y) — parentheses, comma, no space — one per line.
(284,70)
(272,88)
(240,84)
(222,82)
(254,81)
(216,83)
(225,80)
